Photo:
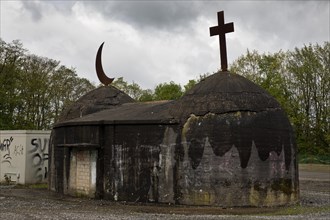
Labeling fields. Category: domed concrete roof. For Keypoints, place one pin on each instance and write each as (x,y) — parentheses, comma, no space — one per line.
(104,97)
(224,92)
(229,110)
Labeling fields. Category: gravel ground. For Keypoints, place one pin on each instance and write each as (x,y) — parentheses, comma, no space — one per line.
(26,203)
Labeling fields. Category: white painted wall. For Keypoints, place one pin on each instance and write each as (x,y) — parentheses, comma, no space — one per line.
(24,155)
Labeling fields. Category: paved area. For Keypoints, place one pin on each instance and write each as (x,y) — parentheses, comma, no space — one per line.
(26,203)
(314,172)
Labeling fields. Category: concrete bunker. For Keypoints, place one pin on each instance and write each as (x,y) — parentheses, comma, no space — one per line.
(227,142)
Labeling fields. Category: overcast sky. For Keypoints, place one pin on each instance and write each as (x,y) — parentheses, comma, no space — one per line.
(151,42)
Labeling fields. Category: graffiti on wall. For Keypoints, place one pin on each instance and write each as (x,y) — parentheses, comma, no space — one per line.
(12,151)
(18,150)
(5,148)
(39,157)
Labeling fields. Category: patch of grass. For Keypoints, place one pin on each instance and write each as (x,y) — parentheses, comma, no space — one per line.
(316,159)
(32,186)
(39,186)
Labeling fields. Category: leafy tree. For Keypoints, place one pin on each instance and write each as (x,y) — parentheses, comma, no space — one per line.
(10,72)
(34,89)
(146,96)
(133,90)
(189,85)
(309,72)
(168,91)
(247,66)
(35,93)
(163,91)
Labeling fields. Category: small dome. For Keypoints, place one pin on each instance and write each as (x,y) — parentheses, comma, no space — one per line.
(104,97)
(223,92)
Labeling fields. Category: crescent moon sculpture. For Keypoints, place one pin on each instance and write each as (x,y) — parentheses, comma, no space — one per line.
(99,69)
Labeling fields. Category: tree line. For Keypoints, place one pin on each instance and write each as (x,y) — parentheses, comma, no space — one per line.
(34,90)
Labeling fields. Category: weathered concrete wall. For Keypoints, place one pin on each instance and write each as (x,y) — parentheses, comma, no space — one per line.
(131,166)
(167,168)
(24,155)
(226,160)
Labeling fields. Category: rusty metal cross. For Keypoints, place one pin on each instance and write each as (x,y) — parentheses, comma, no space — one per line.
(221,30)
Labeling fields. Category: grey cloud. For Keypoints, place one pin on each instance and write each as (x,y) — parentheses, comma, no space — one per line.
(63,7)
(34,9)
(263,19)
(290,21)
(150,14)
